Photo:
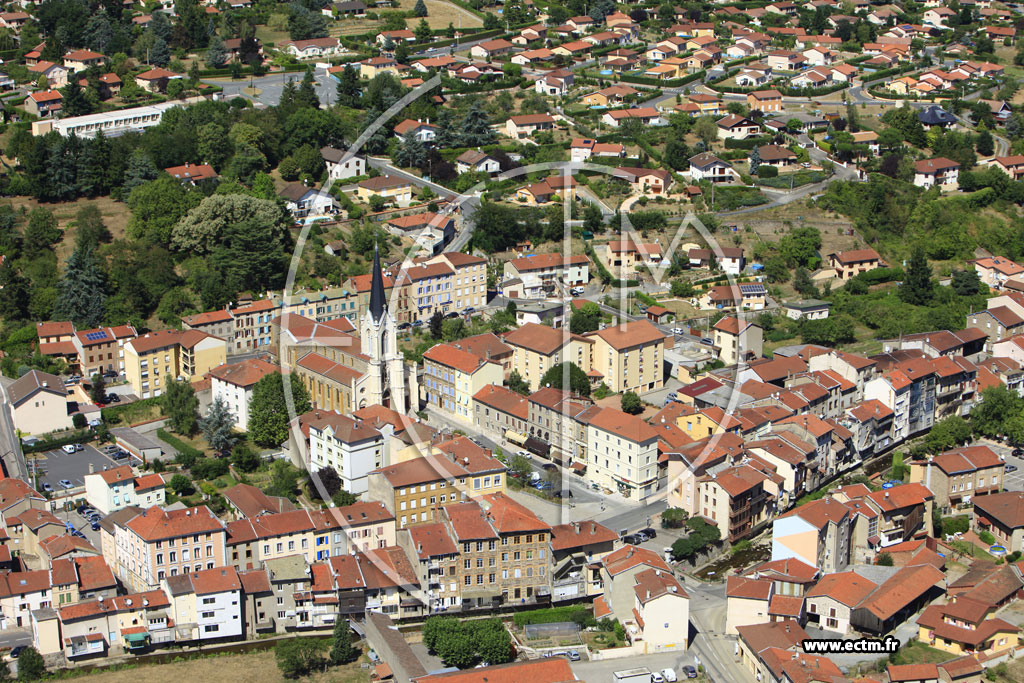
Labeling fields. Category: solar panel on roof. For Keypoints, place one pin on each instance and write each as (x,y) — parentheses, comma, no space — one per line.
(93,336)
(749,289)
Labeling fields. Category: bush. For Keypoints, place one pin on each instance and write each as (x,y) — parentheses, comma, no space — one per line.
(987,537)
(673,518)
(953,525)
(766,171)
(187,455)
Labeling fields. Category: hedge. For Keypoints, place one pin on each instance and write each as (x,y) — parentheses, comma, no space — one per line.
(812,92)
(178,444)
(661,83)
(748,143)
(553,615)
(624,283)
(81,436)
(799,179)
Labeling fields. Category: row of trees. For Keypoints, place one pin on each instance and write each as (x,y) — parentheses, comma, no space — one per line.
(464,643)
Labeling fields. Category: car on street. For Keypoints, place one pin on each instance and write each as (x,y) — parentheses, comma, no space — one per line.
(632,539)
(550,466)
(656,677)
(649,532)
(525,454)
(66,483)
(669,675)
(68,448)
(47,487)
(678,330)
(1011,468)
(690,670)
(576,291)
(1017,452)
(110,374)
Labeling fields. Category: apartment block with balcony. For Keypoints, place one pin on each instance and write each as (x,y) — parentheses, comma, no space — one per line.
(735,500)
(452,377)
(577,549)
(156,358)
(537,348)
(435,558)
(629,357)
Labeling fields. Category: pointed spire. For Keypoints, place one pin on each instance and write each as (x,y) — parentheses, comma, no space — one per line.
(376,288)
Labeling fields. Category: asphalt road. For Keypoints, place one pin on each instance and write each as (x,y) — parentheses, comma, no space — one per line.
(271,85)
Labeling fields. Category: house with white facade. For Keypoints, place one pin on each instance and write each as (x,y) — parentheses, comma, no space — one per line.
(206,605)
(233,383)
(353,448)
(110,490)
(341,164)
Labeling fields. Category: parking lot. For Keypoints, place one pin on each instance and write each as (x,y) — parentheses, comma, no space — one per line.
(1012,480)
(56,465)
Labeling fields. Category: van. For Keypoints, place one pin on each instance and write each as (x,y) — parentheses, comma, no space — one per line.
(534,478)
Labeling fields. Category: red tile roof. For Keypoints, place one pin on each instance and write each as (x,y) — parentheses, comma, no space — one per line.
(580,534)
(244,374)
(848,588)
(157,524)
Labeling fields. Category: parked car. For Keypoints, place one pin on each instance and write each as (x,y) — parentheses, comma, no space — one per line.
(542,485)
(68,448)
(678,330)
(690,670)
(66,483)
(656,677)
(632,539)
(550,466)
(564,493)
(47,487)
(1011,468)
(707,341)
(79,447)
(669,675)
(642,536)
(82,509)
(1017,452)
(109,448)
(95,525)
(573,656)
(649,532)
(113,398)
(95,422)
(525,454)
(17,650)
(110,374)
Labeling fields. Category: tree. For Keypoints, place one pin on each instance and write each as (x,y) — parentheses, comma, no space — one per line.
(218,426)
(344,499)
(141,169)
(632,404)
(75,102)
(803,283)
(948,433)
(997,404)
(245,458)
(437,325)
(348,89)
(420,9)
(423,32)
(884,560)
(475,130)
(342,651)
(328,479)
(181,485)
(268,410)
(586,318)
(966,282)
(159,54)
(918,288)
(984,143)
(180,405)
(516,383)
(98,390)
(175,87)
(31,666)
(306,95)
(216,55)
(674,518)
(755,160)
(578,381)
(706,128)
(82,291)
(297,657)
(41,233)
(284,479)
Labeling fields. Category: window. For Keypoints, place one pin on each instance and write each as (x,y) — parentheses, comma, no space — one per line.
(211,628)
(209,601)
(208,615)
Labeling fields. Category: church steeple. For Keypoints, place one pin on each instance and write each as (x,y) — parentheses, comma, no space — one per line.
(377,301)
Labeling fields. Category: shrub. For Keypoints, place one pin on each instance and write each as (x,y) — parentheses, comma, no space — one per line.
(766,171)
(987,537)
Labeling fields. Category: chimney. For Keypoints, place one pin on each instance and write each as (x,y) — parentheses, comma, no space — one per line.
(419,547)
(92,468)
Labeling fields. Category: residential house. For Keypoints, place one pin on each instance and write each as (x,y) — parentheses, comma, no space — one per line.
(938,171)
(648,116)
(848,264)
(44,103)
(311,48)
(526,125)
(1002,515)
(233,385)
(341,164)
(38,403)
(706,166)
(391,188)
(765,100)
(737,340)
(735,127)
(959,475)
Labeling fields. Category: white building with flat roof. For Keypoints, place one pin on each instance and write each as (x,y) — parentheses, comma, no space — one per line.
(112,123)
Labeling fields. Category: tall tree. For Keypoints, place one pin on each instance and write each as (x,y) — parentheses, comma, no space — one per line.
(579,383)
(216,55)
(218,426)
(140,169)
(159,54)
(419,9)
(918,287)
(348,89)
(342,651)
(423,32)
(41,233)
(181,407)
(268,409)
(306,95)
(475,129)
(98,388)
(75,102)
(82,291)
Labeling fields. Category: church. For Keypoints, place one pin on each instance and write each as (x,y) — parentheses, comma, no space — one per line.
(345,372)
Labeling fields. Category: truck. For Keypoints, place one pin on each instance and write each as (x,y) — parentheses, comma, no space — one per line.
(641,675)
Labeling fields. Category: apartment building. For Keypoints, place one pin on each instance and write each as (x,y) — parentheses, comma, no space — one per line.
(958,475)
(538,348)
(623,454)
(206,605)
(452,377)
(560,419)
(817,533)
(158,543)
(502,412)
(629,357)
(349,446)
(454,471)
(111,490)
(434,557)
(737,340)
(541,273)
(470,279)
(156,358)
(233,384)
(102,349)
(736,500)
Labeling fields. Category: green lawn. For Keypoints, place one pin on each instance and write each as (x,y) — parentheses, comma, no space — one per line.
(916,652)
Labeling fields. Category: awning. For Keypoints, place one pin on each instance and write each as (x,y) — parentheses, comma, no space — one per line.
(578,467)
(984,520)
(515,437)
(136,638)
(536,446)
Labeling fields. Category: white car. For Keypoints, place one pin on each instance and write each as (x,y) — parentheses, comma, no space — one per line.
(669,675)
(69,448)
(678,330)
(656,677)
